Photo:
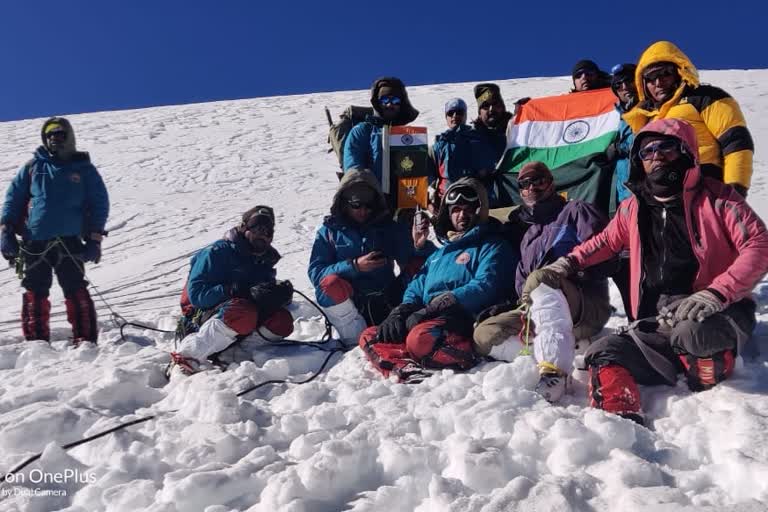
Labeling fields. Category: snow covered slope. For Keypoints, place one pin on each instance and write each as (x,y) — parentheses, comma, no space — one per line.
(480,441)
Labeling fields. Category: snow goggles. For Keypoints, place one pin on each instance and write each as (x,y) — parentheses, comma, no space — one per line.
(358,205)
(462,196)
(665,147)
(261,223)
(527,183)
(452,113)
(58,133)
(389,100)
(664,72)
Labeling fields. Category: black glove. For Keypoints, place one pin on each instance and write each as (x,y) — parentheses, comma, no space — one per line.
(9,246)
(438,306)
(271,296)
(240,291)
(92,251)
(393,328)
(494,310)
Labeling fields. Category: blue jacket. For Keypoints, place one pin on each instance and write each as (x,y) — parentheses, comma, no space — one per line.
(64,198)
(478,269)
(362,147)
(453,152)
(338,242)
(217,267)
(624,140)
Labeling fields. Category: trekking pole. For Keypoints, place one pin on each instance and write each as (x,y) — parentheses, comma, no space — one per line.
(328,116)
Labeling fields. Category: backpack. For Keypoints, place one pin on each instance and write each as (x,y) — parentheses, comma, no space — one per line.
(337,133)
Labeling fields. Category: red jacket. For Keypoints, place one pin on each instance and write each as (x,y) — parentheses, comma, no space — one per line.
(729,239)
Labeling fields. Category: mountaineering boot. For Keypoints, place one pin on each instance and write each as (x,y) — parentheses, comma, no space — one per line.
(182,364)
(81,314)
(214,336)
(347,320)
(35,316)
(551,386)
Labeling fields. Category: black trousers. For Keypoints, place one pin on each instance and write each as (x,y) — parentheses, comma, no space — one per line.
(700,339)
(42,259)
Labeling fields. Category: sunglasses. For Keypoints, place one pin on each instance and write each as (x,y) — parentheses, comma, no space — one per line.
(584,72)
(659,73)
(664,147)
(57,134)
(261,229)
(622,82)
(358,205)
(527,183)
(462,196)
(389,100)
(452,113)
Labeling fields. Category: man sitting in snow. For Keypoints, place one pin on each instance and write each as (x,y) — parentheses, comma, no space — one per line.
(353,256)
(696,250)
(433,326)
(550,227)
(231,292)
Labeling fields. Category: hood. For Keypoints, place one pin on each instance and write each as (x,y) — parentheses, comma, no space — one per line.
(408,114)
(67,128)
(443,223)
(664,51)
(671,127)
(353,177)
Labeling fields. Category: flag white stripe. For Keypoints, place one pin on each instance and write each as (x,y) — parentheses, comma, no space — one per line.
(550,134)
(417,139)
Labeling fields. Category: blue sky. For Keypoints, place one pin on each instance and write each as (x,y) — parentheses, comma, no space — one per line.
(93,55)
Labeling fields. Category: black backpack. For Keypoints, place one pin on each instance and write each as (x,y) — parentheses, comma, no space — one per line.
(337,133)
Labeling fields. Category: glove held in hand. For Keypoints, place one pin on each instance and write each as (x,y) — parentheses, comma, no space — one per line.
(393,329)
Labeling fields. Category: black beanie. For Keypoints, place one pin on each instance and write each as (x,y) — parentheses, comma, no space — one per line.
(584,65)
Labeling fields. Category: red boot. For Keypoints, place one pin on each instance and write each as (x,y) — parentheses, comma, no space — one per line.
(81,314)
(35,316)
(704,372)
(613,389)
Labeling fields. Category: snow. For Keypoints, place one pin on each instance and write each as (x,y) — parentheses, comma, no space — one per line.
(350,440)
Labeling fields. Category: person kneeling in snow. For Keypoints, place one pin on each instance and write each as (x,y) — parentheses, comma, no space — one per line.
(351,265)
(696,250)
(550,227)
(433,326)
(231,292)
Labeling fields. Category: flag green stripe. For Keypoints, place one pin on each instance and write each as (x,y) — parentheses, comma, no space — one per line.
(554,157)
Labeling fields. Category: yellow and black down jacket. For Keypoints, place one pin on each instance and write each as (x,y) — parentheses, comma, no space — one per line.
(725,144)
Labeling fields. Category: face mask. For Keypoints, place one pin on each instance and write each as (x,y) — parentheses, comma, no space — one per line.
(665,181)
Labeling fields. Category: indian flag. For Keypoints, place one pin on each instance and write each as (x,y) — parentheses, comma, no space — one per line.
(404,169)
(557,130)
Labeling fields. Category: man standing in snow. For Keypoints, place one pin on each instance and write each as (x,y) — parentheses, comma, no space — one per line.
(696,251)
(490,135)
(59,205)
(452,151)
(353,256)
(232,292)
(669,87)
(433,326)
(363,146)
(550,227)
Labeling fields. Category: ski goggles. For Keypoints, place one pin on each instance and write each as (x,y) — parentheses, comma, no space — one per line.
(527,183)
(659,73)
(359,205)
(389,100)
(462,196)
(665,147)
(261,223)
